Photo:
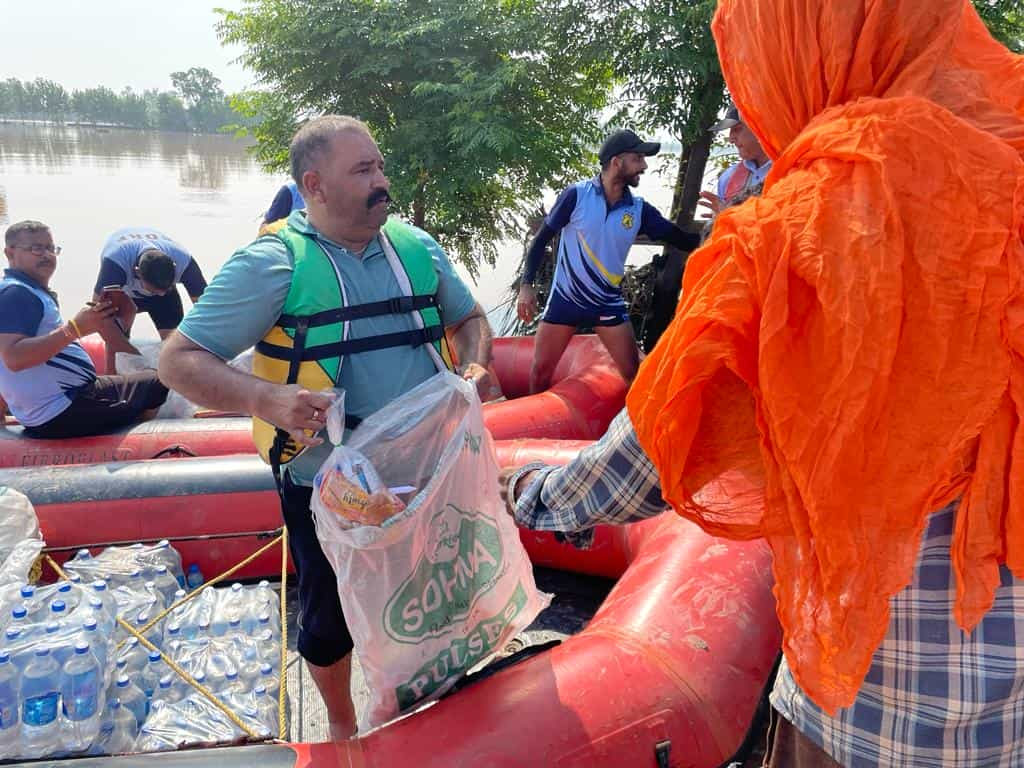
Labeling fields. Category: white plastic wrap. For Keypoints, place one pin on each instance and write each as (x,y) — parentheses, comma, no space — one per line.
(20,542)
(444,584)
(176,406)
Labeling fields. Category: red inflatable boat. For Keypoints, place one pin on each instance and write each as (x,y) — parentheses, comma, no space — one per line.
(587,393)
(668,672)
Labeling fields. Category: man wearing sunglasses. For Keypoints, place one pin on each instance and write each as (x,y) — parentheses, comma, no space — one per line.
(46,376)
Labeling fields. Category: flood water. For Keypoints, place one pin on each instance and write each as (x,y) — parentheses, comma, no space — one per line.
(204,191)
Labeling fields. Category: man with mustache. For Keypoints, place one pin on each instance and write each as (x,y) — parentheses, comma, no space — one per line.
(46,377)
(599,219)
(340,296)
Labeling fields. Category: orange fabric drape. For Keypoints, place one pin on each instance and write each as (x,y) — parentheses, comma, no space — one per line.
(846,357)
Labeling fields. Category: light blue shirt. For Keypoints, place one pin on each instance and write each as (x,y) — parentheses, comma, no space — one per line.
(757,174)
(244,300)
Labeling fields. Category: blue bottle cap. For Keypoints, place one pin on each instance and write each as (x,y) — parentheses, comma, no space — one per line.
(163,543)
(260,690)
(58,606)
(123,681)
(115,703)
(154,656)
(43,650)
(89,625)
(166,682)
(19,612)
(199,677)
(13,633)
(64,586)
(194,568)
(81,647)
(264,618)
(5,656)
(52,627)
(28,590)
(83,554)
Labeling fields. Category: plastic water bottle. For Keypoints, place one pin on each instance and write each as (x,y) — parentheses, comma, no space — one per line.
(162,553)
(69,593)
(60,649)
(231,683)
(266,706)
(265,624)
(8,707)
(98,613)
(19,619)
(124,729)
(151,675)
(81,692)
(20,657)
(166,583)
(59,611)
(195,578)
(268,677)
(40,703)
(135,658)
(82,555)
(132,698)
(249,665)
(97,643)
(28,599)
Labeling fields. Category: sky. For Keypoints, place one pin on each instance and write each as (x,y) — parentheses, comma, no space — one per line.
(115,43)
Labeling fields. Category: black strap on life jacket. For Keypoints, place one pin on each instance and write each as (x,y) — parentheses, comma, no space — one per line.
(400,305)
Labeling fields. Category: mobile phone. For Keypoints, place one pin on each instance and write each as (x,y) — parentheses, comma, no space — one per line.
(108,289)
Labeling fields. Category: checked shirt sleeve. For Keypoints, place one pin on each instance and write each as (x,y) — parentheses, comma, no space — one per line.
(610,483)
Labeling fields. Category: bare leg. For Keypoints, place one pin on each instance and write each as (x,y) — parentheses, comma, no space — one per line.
(334,683)
(164,332)
(550,343)
(621,345)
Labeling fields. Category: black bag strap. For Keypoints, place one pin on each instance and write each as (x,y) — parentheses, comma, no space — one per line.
(399,305)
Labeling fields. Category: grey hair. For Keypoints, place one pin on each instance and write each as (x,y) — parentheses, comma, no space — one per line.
(29,226)
(313,138)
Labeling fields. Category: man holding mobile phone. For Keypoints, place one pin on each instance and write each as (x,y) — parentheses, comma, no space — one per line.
(146,265)
(47,379)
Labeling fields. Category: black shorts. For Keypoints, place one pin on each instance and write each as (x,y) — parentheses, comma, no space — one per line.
(323,634)
(109,403)
(166,311)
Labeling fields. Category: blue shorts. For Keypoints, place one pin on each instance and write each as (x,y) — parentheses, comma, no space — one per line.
(561,311)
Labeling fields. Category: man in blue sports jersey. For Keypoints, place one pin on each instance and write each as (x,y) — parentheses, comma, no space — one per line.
(148,265)
(599,219)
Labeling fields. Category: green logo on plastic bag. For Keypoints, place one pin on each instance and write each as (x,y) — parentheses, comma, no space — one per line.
(461,560)
(461,655)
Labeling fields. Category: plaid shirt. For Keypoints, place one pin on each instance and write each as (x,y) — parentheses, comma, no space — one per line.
(933,697)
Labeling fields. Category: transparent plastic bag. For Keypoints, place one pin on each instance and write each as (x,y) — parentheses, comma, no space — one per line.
(443,584)
(20,542)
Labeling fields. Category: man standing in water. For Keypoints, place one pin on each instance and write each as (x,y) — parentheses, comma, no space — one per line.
(599,219)
(339,282)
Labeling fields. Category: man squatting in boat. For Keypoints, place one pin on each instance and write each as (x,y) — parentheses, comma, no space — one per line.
(340,265)
(47,378)
(843,378)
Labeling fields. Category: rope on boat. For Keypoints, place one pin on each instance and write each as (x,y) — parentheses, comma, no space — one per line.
(282,687)
(216,580)
(184,675)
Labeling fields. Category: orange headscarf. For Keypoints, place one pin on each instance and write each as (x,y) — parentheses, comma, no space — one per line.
(846,357)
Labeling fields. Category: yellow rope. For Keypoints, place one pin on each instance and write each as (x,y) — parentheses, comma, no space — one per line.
(216,580)
(185,675)
(282,688)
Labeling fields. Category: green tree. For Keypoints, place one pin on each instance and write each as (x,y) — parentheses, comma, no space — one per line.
(207,106)
(171,115)
(132,110)
(1005,19)
(12,97)
(478,105)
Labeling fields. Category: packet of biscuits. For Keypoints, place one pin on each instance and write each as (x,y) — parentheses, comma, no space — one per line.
(347,484)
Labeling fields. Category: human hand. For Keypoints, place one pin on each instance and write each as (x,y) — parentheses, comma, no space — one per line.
(480,377)
(526,303)
(712,201)
(91,318)
(507,492)
(297,410)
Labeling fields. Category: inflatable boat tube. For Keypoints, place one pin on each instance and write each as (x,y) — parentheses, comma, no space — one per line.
(587,393)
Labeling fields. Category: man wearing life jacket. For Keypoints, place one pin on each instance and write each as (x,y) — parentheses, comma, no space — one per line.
(287,199)
(148,265)
(340,297)
(46,378)
(599,219)
(745,178)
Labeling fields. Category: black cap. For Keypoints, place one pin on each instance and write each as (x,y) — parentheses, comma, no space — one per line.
(626,141)
(732,117)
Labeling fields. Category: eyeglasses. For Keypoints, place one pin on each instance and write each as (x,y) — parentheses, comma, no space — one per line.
(39,250)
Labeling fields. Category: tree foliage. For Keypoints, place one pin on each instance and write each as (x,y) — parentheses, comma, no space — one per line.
(1005,19)
(478,105)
